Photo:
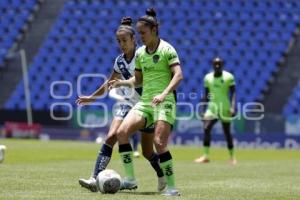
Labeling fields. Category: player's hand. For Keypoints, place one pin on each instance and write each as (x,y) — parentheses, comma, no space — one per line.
(232,112)
(114,83)
(158,99)
(84,100)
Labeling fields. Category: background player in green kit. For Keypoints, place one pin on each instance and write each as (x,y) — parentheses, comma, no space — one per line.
(158,70)
(217,85)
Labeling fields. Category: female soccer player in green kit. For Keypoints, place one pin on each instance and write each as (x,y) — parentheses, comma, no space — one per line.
(123,69)
(217,85)
(158,71)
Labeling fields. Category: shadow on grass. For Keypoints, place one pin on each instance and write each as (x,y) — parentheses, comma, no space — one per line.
(138,193)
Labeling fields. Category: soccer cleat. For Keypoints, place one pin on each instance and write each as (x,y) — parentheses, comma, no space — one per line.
(89,184)
(136,154)
(128,184)
(2,153)
(232,161)
(161,183)
(171,192)
(202,159)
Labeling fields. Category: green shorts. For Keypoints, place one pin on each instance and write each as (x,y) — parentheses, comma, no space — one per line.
(165,111)
(224,116)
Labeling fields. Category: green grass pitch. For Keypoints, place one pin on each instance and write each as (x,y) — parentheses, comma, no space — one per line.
(50,170)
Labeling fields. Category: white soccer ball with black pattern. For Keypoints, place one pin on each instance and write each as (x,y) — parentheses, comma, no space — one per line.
(108,181)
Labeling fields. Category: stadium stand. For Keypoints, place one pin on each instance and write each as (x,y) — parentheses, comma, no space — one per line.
(15,15)
(252,36)
(292,107)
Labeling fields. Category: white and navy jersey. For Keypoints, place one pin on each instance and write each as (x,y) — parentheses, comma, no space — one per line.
(121,66)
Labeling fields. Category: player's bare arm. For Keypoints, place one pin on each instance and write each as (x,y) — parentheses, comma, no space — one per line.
(135,81)
(233,100)
(204,100)
(83,100)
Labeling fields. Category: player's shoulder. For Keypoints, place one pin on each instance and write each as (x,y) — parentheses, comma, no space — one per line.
(120,57)
(165,46)
(228,74)
(164,43)
(140,50)
(209,75)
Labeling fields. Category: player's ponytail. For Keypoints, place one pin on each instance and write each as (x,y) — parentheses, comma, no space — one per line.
(126,25)
(126,21)
(150,19)
(151,12)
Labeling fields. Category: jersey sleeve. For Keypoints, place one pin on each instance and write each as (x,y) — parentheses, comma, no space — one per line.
(138,66)
(231,80)
(116,68)
(172,56)
(206,84)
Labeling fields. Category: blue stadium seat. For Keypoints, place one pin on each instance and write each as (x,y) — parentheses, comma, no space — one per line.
(292,107)
(244,33)
(14,15)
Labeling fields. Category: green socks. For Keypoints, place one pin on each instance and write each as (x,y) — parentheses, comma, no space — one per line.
(206,150)
(231,152)
(126,153)
(167,166)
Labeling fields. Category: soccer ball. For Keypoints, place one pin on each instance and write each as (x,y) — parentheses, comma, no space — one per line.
(108,181)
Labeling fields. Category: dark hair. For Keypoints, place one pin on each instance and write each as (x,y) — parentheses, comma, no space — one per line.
(126,21)
(126,25)
(218,61)
(150,18)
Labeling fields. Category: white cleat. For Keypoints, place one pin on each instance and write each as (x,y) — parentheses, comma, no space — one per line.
(2,153)
(89,184)
(232,161)
(161,183)
(136,154)
(202,159)
(171,192)
(128,184)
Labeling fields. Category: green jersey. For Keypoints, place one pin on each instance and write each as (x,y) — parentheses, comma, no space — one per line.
(156,70)
(218,91)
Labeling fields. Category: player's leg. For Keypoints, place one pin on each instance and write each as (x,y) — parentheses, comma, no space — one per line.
(104,156)
(208,125)
(131,124)
(162,133)
(135,143)
(152,157)
(105,152)
(229,140)
(209,119)
(164,117)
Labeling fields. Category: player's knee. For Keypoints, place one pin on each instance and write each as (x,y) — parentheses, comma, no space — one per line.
(159,143)
(111,139)
(122,134)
